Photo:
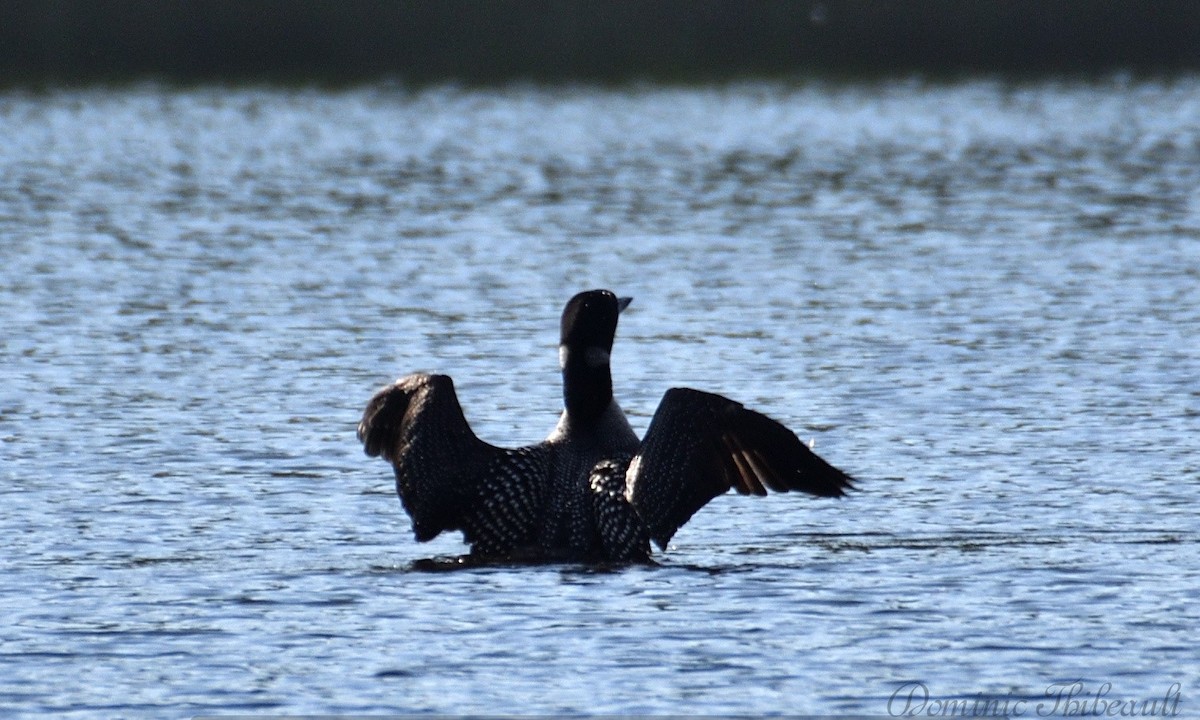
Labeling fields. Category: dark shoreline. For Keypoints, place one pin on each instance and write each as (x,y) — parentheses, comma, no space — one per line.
(484,41)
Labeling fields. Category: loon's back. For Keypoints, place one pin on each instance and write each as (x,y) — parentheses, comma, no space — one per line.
(592,490)
(568,513)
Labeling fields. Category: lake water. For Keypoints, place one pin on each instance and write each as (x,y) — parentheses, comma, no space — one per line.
(981,298)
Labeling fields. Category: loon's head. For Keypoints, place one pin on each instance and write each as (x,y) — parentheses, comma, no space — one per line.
(589,323)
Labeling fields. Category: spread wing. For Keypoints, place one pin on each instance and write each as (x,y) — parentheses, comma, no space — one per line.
(418,426)
(699,445)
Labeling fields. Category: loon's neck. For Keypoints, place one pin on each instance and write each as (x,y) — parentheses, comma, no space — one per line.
(587,383)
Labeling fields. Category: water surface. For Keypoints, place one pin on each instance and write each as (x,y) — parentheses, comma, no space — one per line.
(982,299)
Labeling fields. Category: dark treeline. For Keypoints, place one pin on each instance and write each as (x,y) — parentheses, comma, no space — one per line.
(489,40)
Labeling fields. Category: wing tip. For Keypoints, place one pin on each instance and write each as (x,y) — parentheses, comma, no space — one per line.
(834,483)
(385,412)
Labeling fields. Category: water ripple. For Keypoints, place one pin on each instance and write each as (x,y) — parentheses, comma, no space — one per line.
(984,311)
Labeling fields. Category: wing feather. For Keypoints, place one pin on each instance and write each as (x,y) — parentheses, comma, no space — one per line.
(417,424)
(700,445)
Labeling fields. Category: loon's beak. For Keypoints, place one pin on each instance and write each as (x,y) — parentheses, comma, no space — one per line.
(623,303)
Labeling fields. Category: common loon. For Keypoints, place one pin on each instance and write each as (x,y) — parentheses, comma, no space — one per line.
(592,491)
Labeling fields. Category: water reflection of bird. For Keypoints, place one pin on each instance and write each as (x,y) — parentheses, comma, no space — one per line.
(592,490)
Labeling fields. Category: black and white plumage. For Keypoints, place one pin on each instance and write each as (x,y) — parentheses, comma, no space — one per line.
(592,490)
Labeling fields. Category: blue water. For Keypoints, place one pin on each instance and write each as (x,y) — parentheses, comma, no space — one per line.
(981,298)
